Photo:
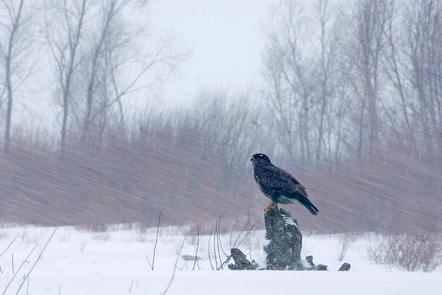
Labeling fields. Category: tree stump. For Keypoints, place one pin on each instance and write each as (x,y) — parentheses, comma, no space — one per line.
(285,240)
(283,251)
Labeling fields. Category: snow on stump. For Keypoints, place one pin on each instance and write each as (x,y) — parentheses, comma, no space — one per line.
(285,240)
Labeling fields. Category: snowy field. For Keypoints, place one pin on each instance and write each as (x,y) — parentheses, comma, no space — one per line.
(77,262)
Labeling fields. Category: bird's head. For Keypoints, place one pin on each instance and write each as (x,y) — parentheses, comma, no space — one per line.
(260,160)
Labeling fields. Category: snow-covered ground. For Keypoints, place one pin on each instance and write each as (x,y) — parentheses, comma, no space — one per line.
(114,262)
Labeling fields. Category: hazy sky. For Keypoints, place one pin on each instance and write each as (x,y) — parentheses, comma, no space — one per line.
(225,39)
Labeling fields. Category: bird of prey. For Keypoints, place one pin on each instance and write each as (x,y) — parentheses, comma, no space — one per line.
(278,185)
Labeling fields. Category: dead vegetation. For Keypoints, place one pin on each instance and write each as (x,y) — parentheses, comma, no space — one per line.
(412,252)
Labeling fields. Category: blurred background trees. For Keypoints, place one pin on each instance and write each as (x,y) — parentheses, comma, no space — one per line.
(351,105)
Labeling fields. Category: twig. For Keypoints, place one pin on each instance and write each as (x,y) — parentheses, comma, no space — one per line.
(245,236)
(148,261)
(222,248)
(214,247)
(224,262)
(219,225)
(239,244)
(180,268)
(12,262)
(36,260)
(208,251)
(18,269)
(9,245)
(219,242)
(241,232)
(174,269)
(250,247)
(247,233)
(131,285)
(197,247)
(152,265)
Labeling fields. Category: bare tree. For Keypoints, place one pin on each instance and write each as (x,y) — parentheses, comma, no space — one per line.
(112,56)
(328,77)
(65,52)
(424,40)
(109,11)
(368,44)
(99,61)
(397,71)
(120,57)
(371,22)
(290,71)
(303,74)
(14,44)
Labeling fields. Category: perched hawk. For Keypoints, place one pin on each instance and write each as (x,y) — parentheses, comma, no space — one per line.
(278,185)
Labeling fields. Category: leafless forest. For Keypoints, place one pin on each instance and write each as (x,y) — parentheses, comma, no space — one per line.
(351,105)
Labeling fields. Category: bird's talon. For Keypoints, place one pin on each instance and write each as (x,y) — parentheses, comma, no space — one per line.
(268,208)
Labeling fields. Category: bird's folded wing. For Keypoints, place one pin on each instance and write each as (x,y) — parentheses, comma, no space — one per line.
(279,179)
(273,178)
(271,181)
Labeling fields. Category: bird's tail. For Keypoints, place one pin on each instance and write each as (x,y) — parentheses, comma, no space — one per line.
(308,204)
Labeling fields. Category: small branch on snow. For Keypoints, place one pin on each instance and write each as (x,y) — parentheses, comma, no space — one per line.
(152,265)
(18,270)
(225,261)
(208,251)
(36,260)
(12,262)
(131,285)
(9,245)
(174,269)
(195,262)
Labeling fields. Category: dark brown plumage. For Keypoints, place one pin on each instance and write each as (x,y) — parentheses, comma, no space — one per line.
(278,185)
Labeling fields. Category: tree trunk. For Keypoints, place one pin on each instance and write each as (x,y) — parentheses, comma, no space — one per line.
(284,249)
(8,72)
